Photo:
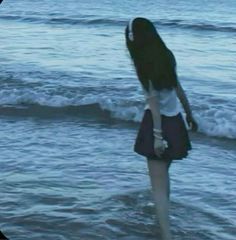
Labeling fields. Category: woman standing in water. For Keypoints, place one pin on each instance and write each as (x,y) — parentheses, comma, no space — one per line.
(155,66)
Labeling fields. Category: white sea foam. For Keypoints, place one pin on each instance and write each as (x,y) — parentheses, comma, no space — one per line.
(214,120)
(217,122)
(16,97)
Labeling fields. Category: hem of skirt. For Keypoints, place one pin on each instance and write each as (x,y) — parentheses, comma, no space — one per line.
(167,158)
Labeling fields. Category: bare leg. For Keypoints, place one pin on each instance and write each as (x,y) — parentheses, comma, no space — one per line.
(159,176)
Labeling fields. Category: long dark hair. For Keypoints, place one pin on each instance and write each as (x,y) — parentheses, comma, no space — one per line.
(152,59)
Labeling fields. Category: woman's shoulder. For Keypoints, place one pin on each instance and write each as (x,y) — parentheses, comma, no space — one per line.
(151,91)
(171,56)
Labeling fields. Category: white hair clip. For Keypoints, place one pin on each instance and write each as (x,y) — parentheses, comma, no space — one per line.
(130,28)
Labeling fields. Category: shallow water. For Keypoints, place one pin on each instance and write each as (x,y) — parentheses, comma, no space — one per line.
(69,110)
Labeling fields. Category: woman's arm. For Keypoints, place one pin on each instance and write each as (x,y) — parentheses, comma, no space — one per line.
(159,143)
(155,109)
(185,103)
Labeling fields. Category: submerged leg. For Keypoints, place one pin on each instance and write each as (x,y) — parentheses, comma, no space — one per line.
(159,176)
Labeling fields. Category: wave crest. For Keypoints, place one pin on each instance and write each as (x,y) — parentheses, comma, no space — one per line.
(216,120)
(94,20)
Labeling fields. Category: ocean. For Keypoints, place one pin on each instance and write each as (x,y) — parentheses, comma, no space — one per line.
(70,107)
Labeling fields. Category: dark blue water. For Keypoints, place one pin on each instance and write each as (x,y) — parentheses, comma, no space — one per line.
(70,105)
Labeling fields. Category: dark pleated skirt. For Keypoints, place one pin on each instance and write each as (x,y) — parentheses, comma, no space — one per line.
(173,131)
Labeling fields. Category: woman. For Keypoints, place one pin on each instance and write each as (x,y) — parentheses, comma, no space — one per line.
(155,66)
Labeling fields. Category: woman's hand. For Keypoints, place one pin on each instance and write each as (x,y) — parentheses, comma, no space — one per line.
(159,146)
(192,123)
(159,143)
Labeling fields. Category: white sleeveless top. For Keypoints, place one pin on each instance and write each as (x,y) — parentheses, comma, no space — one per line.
(169,104)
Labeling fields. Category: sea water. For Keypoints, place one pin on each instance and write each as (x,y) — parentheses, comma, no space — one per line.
(70,105)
